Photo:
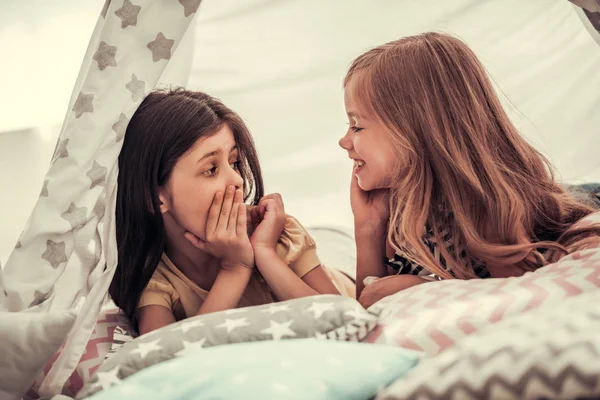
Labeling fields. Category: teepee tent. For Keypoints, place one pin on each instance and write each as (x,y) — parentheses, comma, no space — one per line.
(280,66)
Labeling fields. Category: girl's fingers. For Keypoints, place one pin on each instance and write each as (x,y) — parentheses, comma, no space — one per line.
(213,214)
(242,228)
(233,219)
(226,209)
(195,241)
(263,206)
(238,198)
(354,188)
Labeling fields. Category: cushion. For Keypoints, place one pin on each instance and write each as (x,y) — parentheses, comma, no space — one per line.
(434,316)
(336,248)
(324,316)
(294,369)
(103,339)
(552,352)
(28,340)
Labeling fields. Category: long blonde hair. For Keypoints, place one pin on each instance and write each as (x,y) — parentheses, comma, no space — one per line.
(464,169)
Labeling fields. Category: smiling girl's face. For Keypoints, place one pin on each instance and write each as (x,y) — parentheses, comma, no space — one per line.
(368,144)
(211,165)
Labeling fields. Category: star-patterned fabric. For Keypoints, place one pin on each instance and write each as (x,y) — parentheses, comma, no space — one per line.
(69,239)
(327,317)
(305,369)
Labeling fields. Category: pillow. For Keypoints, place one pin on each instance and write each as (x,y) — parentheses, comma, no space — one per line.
(28,340)
(294,369)
(103,339)
(552,352)
(324,316)
(336,248)
(434,316)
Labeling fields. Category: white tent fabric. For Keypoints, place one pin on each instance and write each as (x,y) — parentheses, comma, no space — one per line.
(71,230)
(280,65)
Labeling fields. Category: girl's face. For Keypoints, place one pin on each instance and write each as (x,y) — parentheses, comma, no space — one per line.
(211,165)
(368,144)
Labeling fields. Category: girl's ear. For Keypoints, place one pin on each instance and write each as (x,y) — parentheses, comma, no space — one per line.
(163,199)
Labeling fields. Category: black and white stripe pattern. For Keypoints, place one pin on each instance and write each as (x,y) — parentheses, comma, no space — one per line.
(406,267)
(120,337)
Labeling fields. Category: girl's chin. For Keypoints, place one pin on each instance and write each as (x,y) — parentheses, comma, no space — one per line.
(365,185)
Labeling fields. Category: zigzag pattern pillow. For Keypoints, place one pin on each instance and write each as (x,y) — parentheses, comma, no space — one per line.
(552,352)
(110,323)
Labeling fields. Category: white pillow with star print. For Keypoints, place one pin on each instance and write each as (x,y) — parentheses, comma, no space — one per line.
(323,317)
(28,340)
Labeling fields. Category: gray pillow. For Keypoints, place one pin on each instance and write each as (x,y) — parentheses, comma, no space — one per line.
(552,352)
(27,341)
(324,316)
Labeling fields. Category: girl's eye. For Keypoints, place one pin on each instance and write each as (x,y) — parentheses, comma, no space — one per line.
(236,165)
(356,129)
(210,172)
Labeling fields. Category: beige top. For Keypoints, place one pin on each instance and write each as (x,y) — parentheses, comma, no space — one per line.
(170,288)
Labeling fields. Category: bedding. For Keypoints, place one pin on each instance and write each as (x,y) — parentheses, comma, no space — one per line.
(111,328)
(27,341)
(322,317)
(304,369)
(436,316)
(552,352)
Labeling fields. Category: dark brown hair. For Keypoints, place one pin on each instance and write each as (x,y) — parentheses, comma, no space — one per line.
(163,129)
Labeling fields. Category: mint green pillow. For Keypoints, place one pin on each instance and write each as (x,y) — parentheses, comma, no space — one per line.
(292,369)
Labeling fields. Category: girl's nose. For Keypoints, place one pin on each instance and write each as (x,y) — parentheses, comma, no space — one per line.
(236,180)
(345,142)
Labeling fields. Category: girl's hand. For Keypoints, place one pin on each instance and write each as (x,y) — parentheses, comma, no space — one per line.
(378,288)
(270,214)
(371,209)
(226,231)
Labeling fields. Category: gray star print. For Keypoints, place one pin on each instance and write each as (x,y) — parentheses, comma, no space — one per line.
(190,6)
(97,174)
(161,48)
(75,215)
(83,104)
(120,126)
(105,55)
(98,209)
(136,87)
(61,149)
(38,297)
(55,253)
(128,14)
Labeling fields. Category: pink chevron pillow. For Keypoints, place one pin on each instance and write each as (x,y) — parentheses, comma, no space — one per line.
(98,347)
(435,316)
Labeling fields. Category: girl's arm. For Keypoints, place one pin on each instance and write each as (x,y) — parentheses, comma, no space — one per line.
(153,317)
(225,294)
(227,290)
(370,252)
(285,283)
(388,286)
